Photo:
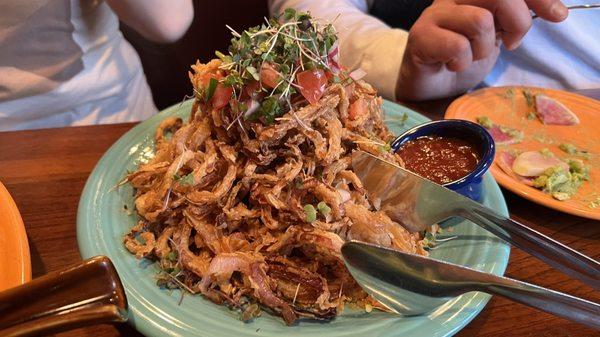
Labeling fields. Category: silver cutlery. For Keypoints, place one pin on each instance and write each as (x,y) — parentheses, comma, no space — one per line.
(591,6)
(417,203)
(411,284)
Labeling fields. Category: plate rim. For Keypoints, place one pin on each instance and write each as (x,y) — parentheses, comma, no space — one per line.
(143,324)
(16,221)
(527,192)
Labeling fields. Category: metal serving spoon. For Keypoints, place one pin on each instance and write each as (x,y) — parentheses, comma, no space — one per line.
(535,16)
(412,285)
(417,203)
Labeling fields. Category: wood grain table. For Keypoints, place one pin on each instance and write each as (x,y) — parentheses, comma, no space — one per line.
(45,171)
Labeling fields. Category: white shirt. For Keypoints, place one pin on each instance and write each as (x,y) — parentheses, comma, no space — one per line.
(65,62)
(564,55)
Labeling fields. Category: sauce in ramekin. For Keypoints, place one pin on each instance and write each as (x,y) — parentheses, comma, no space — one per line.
(439,159)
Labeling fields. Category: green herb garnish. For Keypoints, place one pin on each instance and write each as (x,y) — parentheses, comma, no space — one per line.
(310,212)
(188,179)
(323,208)
(295,44)
(210,91)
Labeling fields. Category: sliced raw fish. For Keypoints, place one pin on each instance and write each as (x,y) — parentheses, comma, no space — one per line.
(534,163)
(551,111)
(505,161)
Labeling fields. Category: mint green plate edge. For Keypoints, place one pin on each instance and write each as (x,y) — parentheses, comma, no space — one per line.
(101,222)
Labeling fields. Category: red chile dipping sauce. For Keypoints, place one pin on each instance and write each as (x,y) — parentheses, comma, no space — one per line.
(439,159)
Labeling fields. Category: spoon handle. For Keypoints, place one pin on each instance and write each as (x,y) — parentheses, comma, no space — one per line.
(559,304)
(535,16)
(559,256)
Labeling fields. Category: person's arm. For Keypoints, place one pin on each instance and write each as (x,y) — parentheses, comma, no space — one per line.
(160,21)
(365,41)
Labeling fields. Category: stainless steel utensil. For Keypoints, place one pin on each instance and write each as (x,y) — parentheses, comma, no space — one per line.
(417,203)
(591,6)
(411,284)
(89,293)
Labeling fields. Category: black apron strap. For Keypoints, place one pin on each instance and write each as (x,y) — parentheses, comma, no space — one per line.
(399,13)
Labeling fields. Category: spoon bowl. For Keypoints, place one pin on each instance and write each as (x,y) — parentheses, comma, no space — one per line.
(412,285)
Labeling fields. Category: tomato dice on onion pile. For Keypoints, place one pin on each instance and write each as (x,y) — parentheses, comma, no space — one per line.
(312,84)
(269,76)
(221,96)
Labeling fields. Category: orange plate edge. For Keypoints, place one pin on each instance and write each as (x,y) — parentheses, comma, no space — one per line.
(15,254)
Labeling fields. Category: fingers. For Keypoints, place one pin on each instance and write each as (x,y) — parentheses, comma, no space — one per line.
(551,10)
(438,45)
(512,17)
(475,23)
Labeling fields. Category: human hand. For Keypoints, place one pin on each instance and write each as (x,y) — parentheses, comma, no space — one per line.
(455,43)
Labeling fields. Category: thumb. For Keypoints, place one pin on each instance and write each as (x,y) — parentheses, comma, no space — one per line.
(551,10)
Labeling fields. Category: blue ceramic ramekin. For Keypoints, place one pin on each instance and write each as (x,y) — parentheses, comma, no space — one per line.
(470,185)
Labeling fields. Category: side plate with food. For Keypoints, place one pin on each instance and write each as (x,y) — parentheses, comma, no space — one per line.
(548,149)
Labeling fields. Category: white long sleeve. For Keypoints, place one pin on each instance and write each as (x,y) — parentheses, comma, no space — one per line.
(365,41)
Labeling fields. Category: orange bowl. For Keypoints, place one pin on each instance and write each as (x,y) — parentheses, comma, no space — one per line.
(15,264)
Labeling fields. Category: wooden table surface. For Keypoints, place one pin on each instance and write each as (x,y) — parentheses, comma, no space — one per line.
(45,171)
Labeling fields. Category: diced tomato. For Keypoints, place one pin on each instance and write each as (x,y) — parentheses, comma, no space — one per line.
(221,96)
(329,75)
(269,76)
(252,88)
(312,84)
(358,108)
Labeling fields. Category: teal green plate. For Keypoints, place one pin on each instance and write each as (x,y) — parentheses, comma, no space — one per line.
(102,221)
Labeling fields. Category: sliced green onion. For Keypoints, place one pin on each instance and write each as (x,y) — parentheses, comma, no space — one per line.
(311,213)
(212,86)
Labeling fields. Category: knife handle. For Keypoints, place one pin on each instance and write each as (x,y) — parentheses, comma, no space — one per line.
(554,253)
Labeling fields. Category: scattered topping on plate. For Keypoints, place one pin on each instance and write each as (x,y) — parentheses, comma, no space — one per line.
(562,183)
(502,135)
(552,112)
(439,159)
(573,150)
(541,169)
(530,101)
